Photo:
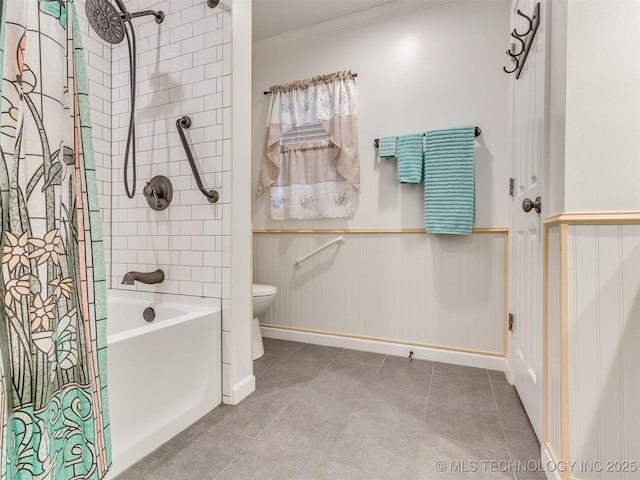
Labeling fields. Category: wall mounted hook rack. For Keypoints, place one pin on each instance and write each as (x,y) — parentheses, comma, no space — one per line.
(525,40)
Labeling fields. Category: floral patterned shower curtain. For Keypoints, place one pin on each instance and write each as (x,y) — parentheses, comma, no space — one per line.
(53,401)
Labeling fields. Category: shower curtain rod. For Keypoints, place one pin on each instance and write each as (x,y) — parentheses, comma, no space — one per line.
(269,91)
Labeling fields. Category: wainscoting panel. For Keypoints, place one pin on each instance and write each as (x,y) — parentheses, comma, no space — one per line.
(553,399)
(411,287)
(604,340)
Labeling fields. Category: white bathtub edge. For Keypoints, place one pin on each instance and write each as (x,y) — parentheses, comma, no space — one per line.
(241,390)
(389,348)
(155,439)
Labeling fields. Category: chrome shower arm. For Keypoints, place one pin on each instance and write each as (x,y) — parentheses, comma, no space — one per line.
(159,15)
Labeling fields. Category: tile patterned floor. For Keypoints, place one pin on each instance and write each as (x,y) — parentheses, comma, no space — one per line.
(334,414)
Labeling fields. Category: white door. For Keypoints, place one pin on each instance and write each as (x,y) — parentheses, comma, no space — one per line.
(528,150)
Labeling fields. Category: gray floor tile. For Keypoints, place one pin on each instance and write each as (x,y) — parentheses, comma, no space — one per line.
(349,374)
(293,447)
(462,444)
(460,372)
(189,456)
(404,369)
(373,452)
(523,443)
(274,391)
(274,352)
(531,474)
(384,416)
(310,360)
(333,470)
(511,408)
(499,379)
(404,382)
(366,358)
(449,394)
(380,440)
(476,433)
(447,459)
(337,390)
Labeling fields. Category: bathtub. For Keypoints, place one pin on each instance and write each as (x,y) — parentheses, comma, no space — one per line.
(162,375)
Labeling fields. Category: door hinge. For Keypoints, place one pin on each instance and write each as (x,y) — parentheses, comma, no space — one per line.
(511,322)
(512,183)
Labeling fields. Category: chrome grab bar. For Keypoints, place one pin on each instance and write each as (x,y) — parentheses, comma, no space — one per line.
(340,240)
(184,123)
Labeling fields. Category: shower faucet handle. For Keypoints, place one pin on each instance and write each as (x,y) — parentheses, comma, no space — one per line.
(159,192)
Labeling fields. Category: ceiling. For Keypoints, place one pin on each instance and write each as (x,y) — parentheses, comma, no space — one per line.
(272,17)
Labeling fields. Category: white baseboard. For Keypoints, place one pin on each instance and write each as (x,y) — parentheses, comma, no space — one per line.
(241,390)
(547,460)
(389,348)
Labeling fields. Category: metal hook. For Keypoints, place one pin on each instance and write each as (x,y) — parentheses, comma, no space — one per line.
(515,60)
(528,19)
(522,45)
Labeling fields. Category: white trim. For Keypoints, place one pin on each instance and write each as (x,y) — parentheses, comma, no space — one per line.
(236,215)
(241,390)
(507,371)
(547,459)
(381,13)
(389,348)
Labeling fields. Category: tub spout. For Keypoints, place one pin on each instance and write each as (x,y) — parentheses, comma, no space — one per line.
(143,277)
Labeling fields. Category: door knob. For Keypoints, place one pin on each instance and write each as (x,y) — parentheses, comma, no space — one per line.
(528,205)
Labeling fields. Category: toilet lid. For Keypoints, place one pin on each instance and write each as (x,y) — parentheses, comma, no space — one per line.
(263,290)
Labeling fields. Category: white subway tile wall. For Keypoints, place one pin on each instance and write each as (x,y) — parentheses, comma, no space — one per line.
(184,68)
(98,58)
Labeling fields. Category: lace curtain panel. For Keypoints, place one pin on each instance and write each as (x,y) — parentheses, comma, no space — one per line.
(309,186)
(310,179)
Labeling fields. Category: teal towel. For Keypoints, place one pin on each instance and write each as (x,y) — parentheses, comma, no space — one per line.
(410,158)
(450,185)
(388,147)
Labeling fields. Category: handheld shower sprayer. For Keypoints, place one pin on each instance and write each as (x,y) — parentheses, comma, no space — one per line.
(113,26)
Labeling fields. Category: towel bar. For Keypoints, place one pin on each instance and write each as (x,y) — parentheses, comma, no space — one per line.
(476,133)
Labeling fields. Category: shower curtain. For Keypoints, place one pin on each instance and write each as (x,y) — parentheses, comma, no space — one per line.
(53,402)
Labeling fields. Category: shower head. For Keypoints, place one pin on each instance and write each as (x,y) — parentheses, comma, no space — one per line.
(109,23)
(106,20)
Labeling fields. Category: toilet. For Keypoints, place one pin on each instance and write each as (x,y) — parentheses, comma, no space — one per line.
(263,295)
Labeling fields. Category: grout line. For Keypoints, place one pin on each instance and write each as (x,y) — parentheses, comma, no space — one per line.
(328,364)
(283,358)
(324,461)
(279,414)
(433,371)
(275,417)
(504,432)
(426,411)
